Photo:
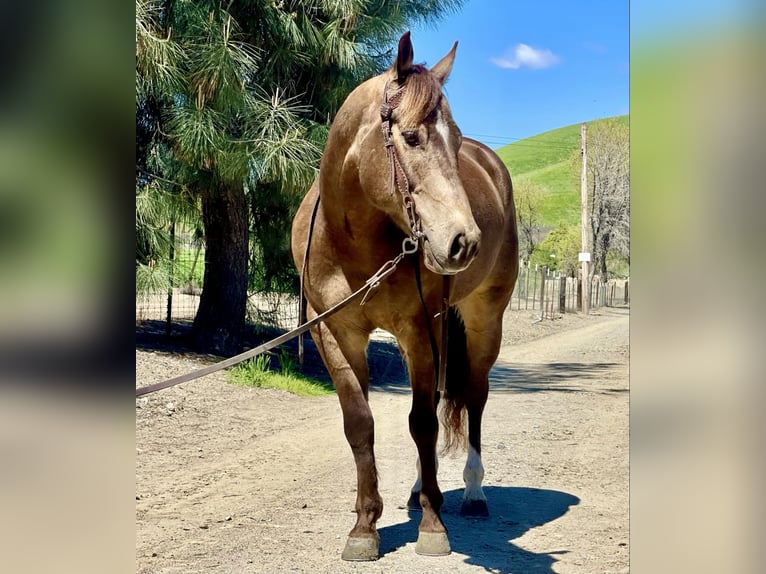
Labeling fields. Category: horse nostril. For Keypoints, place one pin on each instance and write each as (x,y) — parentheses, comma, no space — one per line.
(458,247)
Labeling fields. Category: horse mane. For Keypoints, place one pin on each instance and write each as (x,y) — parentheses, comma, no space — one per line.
(421,96)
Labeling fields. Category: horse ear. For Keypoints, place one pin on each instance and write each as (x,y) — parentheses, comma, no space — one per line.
(443,67)
(404,57)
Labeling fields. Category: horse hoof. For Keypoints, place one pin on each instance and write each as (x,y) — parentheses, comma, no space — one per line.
(360,549)
(474,508)
(414,502)
(433,544)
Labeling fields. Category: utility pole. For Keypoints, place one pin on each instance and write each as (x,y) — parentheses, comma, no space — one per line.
(584,254)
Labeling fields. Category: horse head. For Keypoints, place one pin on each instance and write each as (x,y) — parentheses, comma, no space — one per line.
(425,197)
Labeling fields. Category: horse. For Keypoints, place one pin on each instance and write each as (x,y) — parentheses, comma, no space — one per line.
(398,185)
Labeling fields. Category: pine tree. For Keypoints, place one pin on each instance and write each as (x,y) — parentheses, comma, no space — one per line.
(236,98)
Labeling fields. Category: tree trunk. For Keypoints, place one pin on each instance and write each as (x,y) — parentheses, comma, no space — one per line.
(220,319)
(605,241)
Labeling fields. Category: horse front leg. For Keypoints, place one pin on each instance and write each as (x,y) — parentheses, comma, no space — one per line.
(343,351)
(413,503)
(424,428)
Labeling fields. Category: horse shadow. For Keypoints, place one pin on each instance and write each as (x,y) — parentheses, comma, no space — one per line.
(488,542)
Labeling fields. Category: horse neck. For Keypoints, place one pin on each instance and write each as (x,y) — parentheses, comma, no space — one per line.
(344,198)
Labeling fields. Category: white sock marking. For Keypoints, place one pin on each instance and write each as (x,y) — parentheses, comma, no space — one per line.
(473,475)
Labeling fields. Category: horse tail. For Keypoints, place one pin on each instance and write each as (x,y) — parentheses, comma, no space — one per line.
(454,400)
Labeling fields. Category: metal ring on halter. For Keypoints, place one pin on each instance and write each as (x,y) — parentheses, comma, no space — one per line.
(409,245)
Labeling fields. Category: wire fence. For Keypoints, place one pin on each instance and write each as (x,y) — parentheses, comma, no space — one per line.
(179,304)
(185,270)
(537,289)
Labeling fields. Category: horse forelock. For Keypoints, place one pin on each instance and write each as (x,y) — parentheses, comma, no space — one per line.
(422,92)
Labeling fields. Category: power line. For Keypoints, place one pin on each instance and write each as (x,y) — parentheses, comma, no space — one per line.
(518,142)
(511,138)
(557,144)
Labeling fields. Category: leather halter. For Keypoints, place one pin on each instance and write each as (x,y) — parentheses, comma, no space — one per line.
(398,178)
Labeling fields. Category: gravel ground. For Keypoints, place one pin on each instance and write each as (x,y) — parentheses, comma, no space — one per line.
(238,480)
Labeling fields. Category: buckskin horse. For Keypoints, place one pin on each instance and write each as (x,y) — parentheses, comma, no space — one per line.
(399,184)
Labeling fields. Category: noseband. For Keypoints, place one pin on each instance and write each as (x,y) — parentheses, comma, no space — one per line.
(398,178)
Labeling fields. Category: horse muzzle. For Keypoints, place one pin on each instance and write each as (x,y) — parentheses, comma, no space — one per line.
(455,254)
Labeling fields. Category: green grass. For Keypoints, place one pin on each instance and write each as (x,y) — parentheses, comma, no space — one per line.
(183,262)
(541,151)
(548,160)
(561,196)
(256,373)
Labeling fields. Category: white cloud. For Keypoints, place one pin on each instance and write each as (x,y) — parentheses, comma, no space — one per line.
(524,56)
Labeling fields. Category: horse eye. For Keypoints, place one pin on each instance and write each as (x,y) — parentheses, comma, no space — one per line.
(411,137)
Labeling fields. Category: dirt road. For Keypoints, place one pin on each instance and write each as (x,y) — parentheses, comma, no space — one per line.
(241,480)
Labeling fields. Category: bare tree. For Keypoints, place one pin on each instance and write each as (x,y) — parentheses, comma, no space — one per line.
(528,198)
(609,190)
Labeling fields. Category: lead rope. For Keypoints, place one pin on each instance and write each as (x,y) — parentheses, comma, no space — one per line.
(441,379)
(369,286)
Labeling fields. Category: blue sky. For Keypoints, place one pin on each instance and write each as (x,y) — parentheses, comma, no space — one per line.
(523,68)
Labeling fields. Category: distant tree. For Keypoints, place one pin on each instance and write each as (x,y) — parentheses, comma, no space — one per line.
(609,192)
(528,198)
(559,250)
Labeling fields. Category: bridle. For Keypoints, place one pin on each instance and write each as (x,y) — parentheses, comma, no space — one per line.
(398,179)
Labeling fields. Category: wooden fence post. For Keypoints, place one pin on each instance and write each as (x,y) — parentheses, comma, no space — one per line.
(562,293)
(171,256)
(598,293)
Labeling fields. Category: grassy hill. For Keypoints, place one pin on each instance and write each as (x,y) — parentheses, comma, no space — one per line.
(547,160)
